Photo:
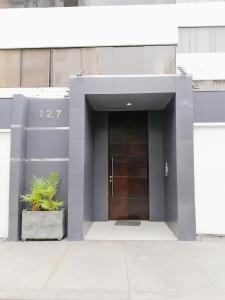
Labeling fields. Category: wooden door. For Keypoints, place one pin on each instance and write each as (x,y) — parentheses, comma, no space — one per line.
(128,166)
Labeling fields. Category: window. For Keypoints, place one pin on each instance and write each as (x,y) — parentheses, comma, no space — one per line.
(201,39)
(65,62)
(35,67)
(10,68)
(36,3)
(53,67)
(198,1)
(124,2)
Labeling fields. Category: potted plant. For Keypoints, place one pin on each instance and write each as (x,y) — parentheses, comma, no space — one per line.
(44,217)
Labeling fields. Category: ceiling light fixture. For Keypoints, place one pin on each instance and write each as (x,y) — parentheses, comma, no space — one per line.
(128,104)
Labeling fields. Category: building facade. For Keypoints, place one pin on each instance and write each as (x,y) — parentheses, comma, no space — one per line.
(127,108)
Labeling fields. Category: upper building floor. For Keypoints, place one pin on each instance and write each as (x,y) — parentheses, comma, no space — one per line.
(150,39)
(69,3)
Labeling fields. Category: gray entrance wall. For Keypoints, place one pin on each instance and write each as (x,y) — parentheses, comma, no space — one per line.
(156,166)
(185,159)
(101,166)
(32,154)
(181,183)
(88,168)
(170,158)
(209,107)
(17,164)
(178,154)
(39,146)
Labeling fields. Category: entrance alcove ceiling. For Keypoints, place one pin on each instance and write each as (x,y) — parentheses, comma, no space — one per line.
(118,102)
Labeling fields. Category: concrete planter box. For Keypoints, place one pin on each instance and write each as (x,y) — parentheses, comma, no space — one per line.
(43,225)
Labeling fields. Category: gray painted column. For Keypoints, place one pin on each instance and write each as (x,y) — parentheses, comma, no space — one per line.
(101,167)
(76,161)
(156,166)
(185,159)
(88,168)
(170,159)
(17,164)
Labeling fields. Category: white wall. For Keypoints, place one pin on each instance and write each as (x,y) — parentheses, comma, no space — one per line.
(4,181)
(209,158)
(203,66)
(87,26)
(200,14)
(104,25)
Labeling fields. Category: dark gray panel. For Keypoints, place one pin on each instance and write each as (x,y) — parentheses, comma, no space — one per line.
(171,206)
(101,167)
(48,113)
(156,166)
(142,84)
(17,187)
(19,110)
(209,107)
(185,159)
(47,143)
(17,165)
(5,113)
(18,142)
(88,168)
(150,84)
(76,165)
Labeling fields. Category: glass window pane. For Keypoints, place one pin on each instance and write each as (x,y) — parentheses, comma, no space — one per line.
(124,2)
(193,39)
(204,41)
(159,60)
(35,68)
(65,62)
(91,61)
(10,68)
(97,61)
(183,40)
(4,4)
(128,60)
(220,39)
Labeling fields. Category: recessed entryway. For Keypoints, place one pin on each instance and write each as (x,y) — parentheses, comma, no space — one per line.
(147,231)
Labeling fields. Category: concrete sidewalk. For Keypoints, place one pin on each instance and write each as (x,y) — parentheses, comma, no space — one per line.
(118,270)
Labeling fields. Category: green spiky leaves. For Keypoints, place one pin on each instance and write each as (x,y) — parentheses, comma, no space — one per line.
(43,193)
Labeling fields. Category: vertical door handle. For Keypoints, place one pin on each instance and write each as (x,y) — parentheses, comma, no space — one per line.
(111,178)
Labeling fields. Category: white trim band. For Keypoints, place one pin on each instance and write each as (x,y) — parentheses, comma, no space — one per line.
(47,128)
(47,159)
(210,124)
(39,159)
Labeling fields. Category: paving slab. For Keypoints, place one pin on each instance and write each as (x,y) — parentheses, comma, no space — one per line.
(62,295)
(210,257)
(169,296)
(29,265)
(92,266)
(155,268)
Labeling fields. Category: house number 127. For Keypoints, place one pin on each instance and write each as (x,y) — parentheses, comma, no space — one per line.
(50,113)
